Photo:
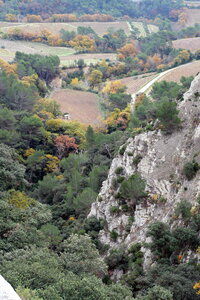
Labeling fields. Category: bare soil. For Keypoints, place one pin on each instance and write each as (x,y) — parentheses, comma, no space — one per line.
(81,106)
(135,83)
(190,69)
(99,27)
(192,44)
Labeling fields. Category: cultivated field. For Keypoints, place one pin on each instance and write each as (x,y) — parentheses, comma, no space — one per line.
(99,27)
(192,44)
(135,83)
(193,16)
(8,49)
(89,58)
(192,3)
(81,106)
(66,55)
(152,28)
(142,30)
(190,69)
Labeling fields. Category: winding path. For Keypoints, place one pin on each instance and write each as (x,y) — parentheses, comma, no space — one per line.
(147,87)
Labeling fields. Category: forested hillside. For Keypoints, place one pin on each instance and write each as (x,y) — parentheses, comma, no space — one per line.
(149,8)
(99,149)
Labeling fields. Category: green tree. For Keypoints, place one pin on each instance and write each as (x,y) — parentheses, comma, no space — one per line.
(74,287)
(12,173)
(167,114)
(157,293)
(133,189)
(82,202)
(52,235)
(119,100)
(95,77)
(7,119)
(29,268)
(165,90)
(30,128)
(161,244)
(81,256)
(178,279)
(46,67)
(90,138)
(50,190)
(15,95)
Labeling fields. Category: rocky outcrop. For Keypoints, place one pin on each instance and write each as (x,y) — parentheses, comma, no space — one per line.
(162,158)
(6,291)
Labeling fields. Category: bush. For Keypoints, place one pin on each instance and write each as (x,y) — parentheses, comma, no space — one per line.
(114,209)
(183,209)
(167,114)
(122,150)
(133,189)
(190,169)
(137,159)
(117,259)
(114,235)
(119,170)
(120,179)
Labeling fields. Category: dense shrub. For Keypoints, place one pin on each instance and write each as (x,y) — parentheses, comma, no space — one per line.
(190,169)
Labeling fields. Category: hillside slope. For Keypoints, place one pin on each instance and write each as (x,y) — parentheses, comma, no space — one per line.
(161,162)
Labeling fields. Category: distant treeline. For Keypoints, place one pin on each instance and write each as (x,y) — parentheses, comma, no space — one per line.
(117,8)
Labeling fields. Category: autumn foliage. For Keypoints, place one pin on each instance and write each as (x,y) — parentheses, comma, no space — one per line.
(65,144)
(113,87)
(83,43)
(127,50)
(8,68)
(34,19)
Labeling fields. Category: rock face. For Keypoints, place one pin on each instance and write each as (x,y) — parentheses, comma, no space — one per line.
(162,158)
(6,291)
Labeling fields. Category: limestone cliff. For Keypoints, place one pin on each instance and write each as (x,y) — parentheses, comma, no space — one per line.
(6,291)
(162,158)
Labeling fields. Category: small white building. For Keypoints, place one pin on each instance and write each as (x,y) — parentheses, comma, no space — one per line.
(66,116)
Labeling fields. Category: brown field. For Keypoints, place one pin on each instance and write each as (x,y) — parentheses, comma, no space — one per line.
(102,27)
(193,16)
(135,83)
(192,3)
(190,69)
(192,44)
(99,27)
(82,106)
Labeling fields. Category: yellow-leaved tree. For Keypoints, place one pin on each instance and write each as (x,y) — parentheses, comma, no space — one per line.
(127,50)
(8,68)
(114,87)
(20,199)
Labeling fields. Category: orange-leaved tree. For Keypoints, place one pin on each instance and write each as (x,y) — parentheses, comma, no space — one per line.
(127,50)
(65,144)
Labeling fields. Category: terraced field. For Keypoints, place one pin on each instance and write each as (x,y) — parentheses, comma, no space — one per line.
(99,27)
(143,30)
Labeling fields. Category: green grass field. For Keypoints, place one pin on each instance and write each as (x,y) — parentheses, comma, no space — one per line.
(8,49)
